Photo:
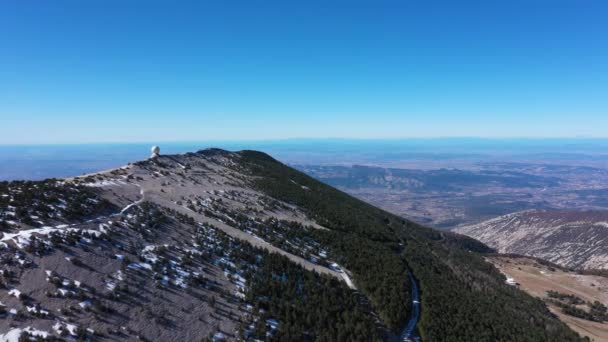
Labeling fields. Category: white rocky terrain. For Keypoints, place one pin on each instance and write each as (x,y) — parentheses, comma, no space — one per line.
(571,239)
(150,251)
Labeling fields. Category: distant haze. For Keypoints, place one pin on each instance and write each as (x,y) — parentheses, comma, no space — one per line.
(46,161)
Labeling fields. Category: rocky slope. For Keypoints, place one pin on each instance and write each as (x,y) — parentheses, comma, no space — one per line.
(219,245)
(571,239)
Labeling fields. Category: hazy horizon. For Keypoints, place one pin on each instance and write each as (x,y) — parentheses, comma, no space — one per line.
(38,161)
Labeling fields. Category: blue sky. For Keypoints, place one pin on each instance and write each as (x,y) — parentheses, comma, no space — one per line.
(126,71)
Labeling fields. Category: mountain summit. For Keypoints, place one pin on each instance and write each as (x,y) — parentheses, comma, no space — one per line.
(225,245)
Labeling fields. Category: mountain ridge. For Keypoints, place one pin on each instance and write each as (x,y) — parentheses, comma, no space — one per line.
(574,239)
(247,239)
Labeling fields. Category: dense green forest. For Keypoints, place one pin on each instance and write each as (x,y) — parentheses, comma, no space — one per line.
(463,297)
(308,306)
(285,301)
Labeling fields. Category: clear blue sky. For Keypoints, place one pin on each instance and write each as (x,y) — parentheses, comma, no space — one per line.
(99,71)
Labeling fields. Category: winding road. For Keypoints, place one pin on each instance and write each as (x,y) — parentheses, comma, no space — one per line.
(409,331)
(143,197)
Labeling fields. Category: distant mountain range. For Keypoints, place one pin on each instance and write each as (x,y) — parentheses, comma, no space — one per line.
(575,239)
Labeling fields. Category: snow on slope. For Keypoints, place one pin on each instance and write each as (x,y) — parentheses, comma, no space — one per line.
(571,239)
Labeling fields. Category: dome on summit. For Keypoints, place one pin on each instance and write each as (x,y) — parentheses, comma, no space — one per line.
(155,151)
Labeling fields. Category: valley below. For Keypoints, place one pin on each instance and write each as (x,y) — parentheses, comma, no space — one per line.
(538,278)
(445,197)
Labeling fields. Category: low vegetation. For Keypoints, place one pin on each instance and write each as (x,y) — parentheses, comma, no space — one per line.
(36,203)
(575,306)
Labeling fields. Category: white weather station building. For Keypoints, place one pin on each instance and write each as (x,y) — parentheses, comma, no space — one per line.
(155,151)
